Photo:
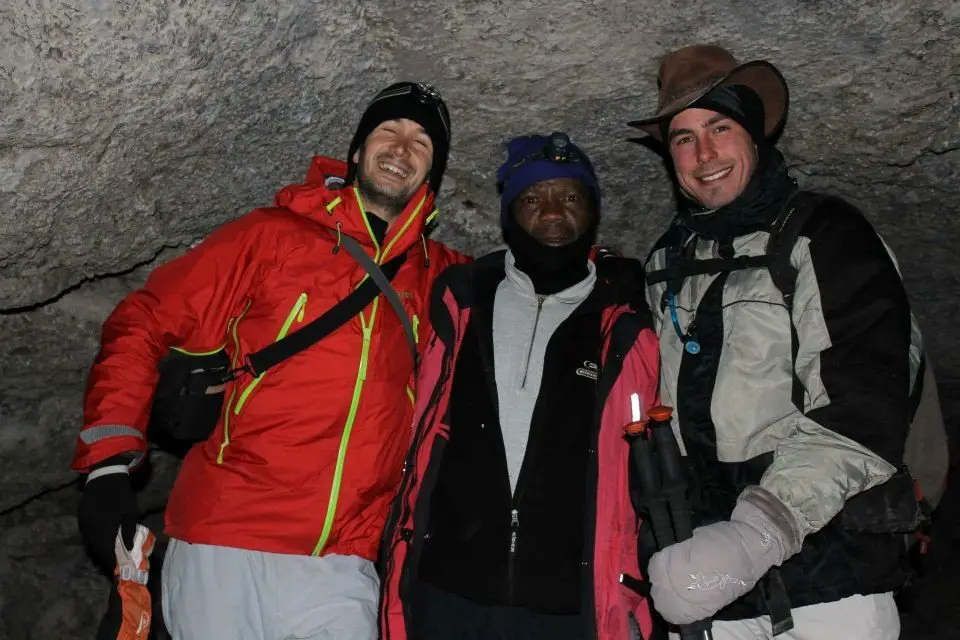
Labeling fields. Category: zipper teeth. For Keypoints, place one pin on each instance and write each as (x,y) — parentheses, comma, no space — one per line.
(514,531)
(347,430)
(403,230)
(533,336)
(420,434)
(406,509)
(366,223)
(361,376)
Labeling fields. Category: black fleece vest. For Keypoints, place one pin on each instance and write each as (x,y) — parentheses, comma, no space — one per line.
(524,549)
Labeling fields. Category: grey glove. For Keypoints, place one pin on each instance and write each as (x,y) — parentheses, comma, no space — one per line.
(693,579)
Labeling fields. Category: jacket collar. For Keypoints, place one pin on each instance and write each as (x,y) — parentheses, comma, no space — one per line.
(573,294)
(326,199)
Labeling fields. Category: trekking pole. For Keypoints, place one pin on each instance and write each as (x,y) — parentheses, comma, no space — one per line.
(675,492)
(671,468)
(656,457)
(651,485)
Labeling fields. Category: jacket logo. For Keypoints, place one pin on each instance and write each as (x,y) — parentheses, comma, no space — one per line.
(589,370)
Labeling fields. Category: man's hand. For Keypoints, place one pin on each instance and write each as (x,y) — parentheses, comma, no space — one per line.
(108,505)
(693,579)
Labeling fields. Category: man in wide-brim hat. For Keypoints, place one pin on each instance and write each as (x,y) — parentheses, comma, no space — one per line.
(781,422)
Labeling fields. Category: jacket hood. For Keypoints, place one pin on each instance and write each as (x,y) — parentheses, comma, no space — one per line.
(326,198)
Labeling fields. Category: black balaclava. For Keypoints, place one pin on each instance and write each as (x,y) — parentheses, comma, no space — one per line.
(551,269)
(767,190)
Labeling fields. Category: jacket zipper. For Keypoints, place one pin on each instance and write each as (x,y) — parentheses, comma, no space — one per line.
(367,329)
(514,513)
(235,360)
(514,531)
(533,336)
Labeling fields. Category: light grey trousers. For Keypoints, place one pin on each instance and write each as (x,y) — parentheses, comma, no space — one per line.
(872,617)
(212,592)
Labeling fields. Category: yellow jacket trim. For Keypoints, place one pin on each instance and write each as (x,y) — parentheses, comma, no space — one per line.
(232,330)
(295,314)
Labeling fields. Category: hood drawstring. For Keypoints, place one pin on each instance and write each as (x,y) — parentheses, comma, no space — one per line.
(336,247)
(426,254)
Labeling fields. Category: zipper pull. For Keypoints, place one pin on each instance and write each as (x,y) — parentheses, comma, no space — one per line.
(514,525)
(514,521)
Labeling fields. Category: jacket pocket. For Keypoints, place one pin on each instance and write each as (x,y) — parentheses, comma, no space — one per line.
(241,392)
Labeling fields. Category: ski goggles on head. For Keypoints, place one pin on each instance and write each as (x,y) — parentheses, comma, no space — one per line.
(426,94)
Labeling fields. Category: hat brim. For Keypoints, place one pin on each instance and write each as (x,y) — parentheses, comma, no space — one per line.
(759,75)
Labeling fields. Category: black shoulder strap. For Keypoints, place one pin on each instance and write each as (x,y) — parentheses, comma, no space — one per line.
(270,356)
(685,267)
(383,282)
(784,234)
(677,266)
(673,237)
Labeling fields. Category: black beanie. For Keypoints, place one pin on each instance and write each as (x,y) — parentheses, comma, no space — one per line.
(413,101)
(738,102)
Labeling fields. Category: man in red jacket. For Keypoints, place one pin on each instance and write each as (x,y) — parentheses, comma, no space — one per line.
(275,519)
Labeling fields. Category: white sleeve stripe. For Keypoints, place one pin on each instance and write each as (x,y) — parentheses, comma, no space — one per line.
(105,471)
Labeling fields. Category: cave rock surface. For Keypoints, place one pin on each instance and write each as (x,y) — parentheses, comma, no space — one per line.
(128,130)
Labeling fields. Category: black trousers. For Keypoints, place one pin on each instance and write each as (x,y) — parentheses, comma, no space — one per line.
(441,615)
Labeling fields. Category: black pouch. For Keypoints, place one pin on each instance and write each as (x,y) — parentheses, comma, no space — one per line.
(892,507)
(188,398)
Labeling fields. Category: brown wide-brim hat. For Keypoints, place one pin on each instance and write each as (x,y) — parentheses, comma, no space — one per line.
(688,74)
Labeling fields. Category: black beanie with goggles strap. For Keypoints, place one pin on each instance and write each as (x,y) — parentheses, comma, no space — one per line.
(414,101)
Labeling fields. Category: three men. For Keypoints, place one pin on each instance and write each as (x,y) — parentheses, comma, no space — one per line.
(514,518)
(275,519)
(787,419)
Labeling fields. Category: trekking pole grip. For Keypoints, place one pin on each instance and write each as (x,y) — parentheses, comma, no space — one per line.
(674,478)
(651,487)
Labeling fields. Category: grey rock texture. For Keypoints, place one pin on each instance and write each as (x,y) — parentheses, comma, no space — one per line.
(128,130)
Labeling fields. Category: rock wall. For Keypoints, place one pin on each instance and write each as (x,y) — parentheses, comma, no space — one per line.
(128,130)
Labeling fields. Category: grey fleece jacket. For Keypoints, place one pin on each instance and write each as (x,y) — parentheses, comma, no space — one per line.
(523,323)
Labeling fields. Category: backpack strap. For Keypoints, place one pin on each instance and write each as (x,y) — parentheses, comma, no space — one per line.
(681,267)
(382,281)
(784,234)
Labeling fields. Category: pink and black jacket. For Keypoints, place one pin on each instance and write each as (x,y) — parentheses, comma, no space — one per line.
(628,364)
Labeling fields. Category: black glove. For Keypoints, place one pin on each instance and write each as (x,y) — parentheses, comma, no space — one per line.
(108,503)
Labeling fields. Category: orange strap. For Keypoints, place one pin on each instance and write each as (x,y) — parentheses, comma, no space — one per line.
(133,569)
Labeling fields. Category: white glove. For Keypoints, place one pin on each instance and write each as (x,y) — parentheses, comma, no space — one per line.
(693,579)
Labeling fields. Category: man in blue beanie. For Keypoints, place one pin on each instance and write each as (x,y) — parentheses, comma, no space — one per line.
(514,518)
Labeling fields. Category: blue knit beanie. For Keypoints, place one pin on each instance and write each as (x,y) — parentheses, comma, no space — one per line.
(530,159)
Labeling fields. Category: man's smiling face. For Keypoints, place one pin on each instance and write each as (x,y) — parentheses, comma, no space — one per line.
(714,156)
(393,163)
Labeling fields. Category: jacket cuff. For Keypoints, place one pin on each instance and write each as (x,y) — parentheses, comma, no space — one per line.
(762,510)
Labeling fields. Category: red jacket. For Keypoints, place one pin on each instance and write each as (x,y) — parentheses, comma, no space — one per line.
(629,365)
(306,458)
